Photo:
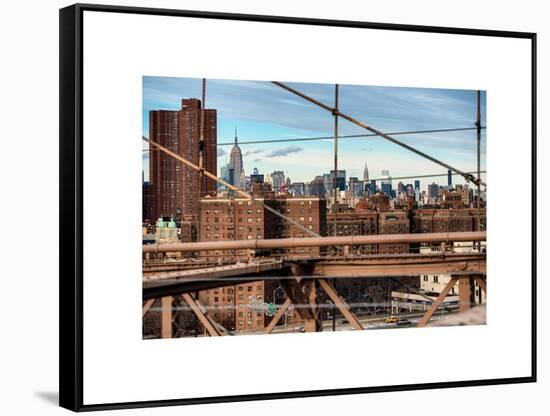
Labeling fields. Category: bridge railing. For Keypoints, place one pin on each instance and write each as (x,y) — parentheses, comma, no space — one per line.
(316,242)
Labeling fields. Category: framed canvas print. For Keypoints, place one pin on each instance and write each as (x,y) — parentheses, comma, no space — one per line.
(260,207)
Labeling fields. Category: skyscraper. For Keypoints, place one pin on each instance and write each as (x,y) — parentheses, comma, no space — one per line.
(317,187)
(366,173)
(328,182)
(236,163)
(433,190)
(175,185)
(278,178)
(340,179)
(226,173)
(449,178)
(386,182)
(400,187)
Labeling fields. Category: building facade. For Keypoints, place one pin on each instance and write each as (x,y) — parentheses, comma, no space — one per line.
(175,186)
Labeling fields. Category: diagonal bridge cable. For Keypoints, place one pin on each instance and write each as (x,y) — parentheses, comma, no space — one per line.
(344,136)
(469,177)
(228,185)
(350,136)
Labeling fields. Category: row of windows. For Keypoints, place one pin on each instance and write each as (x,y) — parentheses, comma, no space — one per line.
(231,228)
(216,236)
(426,278)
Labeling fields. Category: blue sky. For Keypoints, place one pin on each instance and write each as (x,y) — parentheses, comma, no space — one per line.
(263,111)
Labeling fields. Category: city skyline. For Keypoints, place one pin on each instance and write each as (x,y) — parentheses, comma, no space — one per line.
(231,251)
(262,111)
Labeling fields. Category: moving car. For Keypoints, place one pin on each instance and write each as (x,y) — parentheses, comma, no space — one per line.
(391,319)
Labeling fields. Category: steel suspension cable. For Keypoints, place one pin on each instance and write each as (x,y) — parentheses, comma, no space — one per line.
(467,176)
(228,185)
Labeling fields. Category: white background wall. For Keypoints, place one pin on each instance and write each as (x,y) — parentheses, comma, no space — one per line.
(29,194)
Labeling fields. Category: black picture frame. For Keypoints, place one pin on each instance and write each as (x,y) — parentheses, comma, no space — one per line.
(71,205)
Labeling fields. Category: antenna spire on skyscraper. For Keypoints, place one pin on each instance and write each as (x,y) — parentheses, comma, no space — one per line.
(236,136)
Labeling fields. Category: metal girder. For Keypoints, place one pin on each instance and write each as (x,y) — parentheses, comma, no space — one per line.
(205,321)
(166,317)
(178,287)
(482,284)
(147,306)
(353,267)
(280,313)
(464,294)
(340,303)
(160,278)
(296,293)
(312,324)
(429,313)
(463,264)
(275,243)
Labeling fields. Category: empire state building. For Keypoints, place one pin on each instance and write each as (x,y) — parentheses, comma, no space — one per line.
(236,164)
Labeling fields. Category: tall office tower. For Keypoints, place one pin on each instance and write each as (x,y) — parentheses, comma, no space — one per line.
(416,184)
(236,163)
(340,179)
(401,187)
(226,173)
(386,184)
(372,186)
(175,185)
(356,186)
(278,178)
(317,187)
(449,178)
(328,182)
(433,190)
(366,173)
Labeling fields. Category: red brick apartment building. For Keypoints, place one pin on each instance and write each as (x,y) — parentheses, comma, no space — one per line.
(175,186)
(225,219)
